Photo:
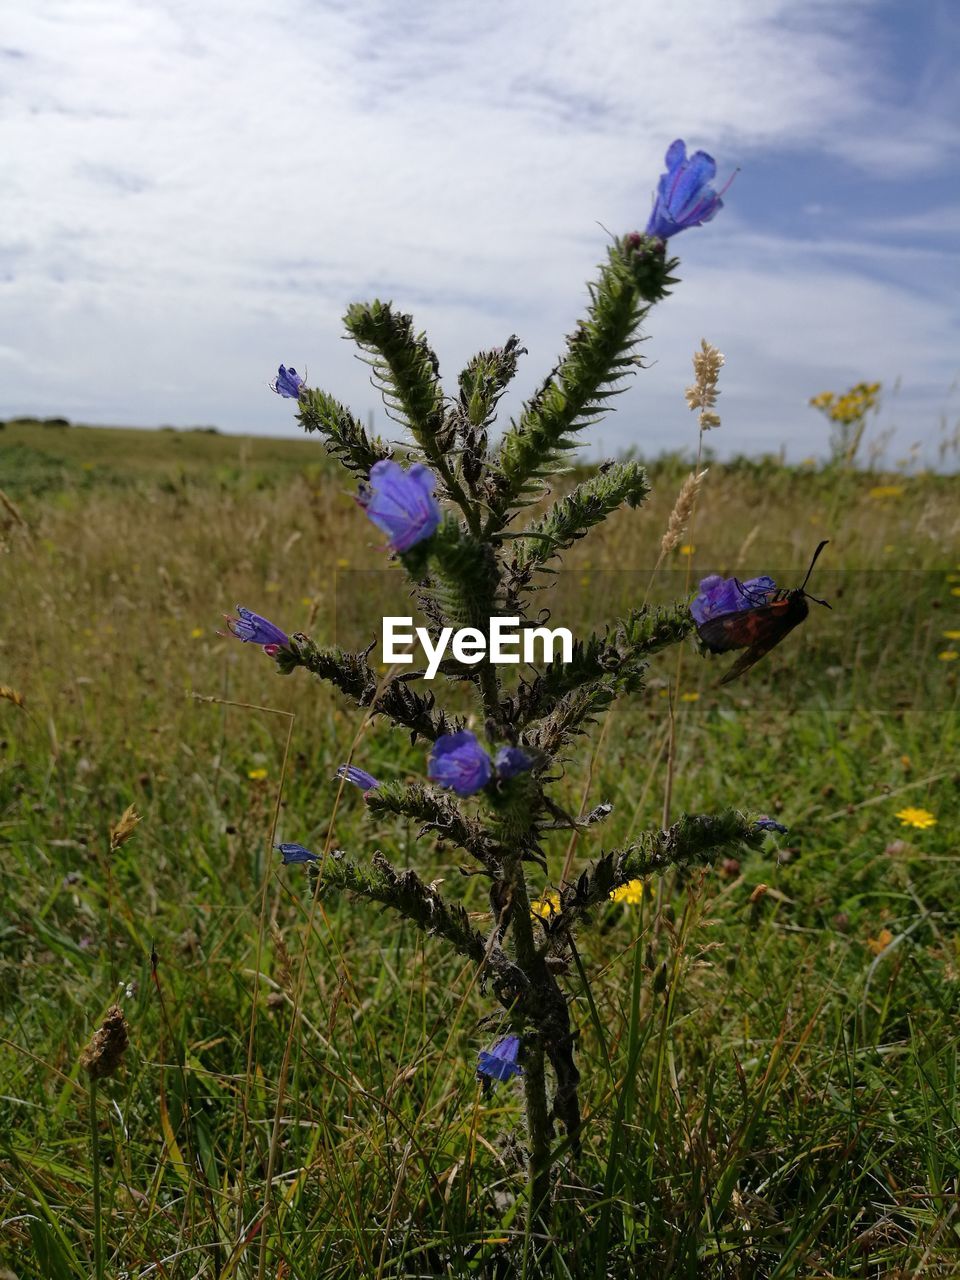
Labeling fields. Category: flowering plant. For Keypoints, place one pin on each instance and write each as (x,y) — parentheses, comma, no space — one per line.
(452,507)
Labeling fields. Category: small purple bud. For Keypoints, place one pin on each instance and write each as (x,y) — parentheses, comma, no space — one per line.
(458,761)
(500,1061)
(768,824)
(252,629)
(401,503)
(287,383)
(296,853)
(359,777)
(509,761)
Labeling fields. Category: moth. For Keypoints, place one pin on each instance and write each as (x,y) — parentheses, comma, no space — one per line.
(760,626)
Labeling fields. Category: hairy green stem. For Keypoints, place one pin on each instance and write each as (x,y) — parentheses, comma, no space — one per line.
(539,1126)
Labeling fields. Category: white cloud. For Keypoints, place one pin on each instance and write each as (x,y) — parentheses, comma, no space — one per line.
(197,192)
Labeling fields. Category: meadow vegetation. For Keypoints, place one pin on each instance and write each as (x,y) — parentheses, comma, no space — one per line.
(768,1049)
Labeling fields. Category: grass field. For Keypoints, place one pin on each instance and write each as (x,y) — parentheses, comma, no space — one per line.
(769,1063)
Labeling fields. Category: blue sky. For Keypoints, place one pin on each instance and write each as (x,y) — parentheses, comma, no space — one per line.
(193,194)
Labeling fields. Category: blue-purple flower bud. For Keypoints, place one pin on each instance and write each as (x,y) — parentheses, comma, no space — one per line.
(401,503)
(684,195)
(768,824)
(509,761)
(729,595)
(359,777)
(287,383)
(296,853)
(252,629)
(500,1061)
(458,761)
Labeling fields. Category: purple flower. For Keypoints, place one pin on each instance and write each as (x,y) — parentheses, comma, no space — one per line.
(401,503)
(684,196)
(764,823)
(287,383)
(251,628)
(509,761)
(359,777)
(296,853)
(500,1062)
(729,595)
(458,761)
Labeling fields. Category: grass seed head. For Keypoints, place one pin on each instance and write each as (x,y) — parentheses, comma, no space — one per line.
(121,831)
(707,363)
(103,1054)
(681,513)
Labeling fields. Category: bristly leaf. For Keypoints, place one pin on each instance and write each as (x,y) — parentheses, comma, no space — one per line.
(466,577)
(441,814)
(571,517)
(343,434)
(409,896)
(405,371)
(599,354)
(615,658)
(696,839)
(484,381)
(353,675)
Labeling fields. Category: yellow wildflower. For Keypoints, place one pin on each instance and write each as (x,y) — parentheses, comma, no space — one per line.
(196,633)
(256,775)
(849,407)
(951,635)
(920,818)
(343,564)
(631,893)
(948,655)
(688,549)
(546,905)
(880,942)
(955,591)
(690,697)
(886,491)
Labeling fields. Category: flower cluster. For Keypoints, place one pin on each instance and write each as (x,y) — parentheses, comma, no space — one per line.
(459,762)
(851,406)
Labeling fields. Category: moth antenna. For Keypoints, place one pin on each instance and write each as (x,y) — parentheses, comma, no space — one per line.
(812,563)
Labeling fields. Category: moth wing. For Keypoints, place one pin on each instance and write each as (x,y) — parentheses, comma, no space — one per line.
(742,627)
(773,622)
